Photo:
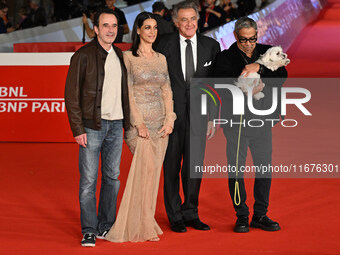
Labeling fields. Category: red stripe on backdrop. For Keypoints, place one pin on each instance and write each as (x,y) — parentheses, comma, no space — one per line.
(32,104)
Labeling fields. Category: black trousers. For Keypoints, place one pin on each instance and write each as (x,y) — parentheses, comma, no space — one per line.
(185,150)
(260,145)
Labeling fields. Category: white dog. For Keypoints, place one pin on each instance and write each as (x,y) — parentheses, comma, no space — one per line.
(273,59)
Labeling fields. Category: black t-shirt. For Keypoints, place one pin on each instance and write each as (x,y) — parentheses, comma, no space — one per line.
(3,28)
(164,26)
(121,21)
(211,19)
(25,23)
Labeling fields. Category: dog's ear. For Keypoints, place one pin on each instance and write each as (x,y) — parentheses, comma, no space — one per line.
(265,58)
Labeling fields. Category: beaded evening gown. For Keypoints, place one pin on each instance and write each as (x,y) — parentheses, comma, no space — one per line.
(151,103)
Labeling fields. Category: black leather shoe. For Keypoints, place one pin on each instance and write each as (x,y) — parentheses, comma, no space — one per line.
(242,224)
(178,227)
(264,223)
(197,224)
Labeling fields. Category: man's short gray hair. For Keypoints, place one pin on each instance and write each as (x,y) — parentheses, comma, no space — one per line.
(244,22)
(189,4)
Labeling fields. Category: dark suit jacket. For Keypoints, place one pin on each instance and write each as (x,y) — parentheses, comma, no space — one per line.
(229,64)
(163,26)
(38,17)
(207,49)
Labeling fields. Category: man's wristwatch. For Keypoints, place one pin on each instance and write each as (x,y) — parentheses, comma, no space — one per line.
(260,71)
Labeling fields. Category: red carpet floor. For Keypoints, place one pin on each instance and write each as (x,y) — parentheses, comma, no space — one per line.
(39,181)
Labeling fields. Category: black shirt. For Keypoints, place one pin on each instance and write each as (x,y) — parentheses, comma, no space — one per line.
(121,21)
(164,27)
(212,21)
(3,28)
(38,17)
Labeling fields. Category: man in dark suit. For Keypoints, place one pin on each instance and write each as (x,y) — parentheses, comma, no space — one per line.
(163,26)
(239,59)
(188,55)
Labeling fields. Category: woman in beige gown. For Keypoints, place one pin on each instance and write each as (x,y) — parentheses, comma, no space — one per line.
(152,120)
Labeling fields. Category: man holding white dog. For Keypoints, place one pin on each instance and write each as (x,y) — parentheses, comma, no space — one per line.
(238,60)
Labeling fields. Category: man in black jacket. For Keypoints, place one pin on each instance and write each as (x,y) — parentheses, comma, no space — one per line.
(239,59)
(96,98)
(38,14)
(211,16)
(163,26)
(188,55)
(123,27)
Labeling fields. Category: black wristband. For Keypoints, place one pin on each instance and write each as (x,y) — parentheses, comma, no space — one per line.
(260,71)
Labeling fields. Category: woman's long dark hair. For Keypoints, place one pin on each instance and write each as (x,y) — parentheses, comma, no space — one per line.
(139,21)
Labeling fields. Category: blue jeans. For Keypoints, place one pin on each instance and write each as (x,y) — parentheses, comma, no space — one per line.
(106,142)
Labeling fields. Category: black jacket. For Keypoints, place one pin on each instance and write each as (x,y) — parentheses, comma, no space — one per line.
(230,63)
(38,17)
(213,21)
(163,26)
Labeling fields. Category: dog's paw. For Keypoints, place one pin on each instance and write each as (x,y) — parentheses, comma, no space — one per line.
(259,95)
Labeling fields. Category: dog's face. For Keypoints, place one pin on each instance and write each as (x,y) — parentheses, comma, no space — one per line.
(276,54)
(274,58)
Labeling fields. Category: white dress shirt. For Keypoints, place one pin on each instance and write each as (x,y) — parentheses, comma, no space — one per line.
(183,46)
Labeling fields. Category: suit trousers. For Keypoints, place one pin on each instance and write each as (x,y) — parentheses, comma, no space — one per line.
(260,145)
(186,148)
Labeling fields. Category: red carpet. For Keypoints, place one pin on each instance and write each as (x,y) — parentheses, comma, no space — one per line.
(39,181)
(316,51)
